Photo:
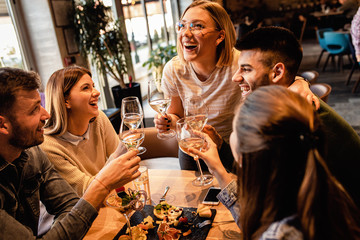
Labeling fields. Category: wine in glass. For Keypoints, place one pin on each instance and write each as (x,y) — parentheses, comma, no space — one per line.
(132,114)
(132,138)
(160,104)
(196,112)
(187,138)
(127,202)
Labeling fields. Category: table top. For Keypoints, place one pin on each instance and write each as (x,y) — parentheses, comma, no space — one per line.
(182,193)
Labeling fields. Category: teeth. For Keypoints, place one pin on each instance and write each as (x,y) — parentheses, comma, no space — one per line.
(244,88)
(189,44)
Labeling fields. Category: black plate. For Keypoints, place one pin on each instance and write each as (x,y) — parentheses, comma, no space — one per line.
(196,234)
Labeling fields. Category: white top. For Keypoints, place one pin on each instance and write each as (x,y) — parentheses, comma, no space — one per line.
(219,92)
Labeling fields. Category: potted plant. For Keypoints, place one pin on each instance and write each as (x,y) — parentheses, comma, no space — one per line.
(101,38)
(158,58)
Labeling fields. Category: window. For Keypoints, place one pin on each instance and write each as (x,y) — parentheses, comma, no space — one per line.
(10,52)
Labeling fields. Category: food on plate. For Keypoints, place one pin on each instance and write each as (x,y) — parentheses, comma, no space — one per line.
(187,233)
(183,220)
(204,211)
(138,233)
(124,237)
(165,232)
(164,209)
(147,223)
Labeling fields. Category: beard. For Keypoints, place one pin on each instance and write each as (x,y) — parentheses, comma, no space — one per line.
(263,81)
(22,138)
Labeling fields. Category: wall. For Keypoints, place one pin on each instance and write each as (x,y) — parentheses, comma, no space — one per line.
(41,36)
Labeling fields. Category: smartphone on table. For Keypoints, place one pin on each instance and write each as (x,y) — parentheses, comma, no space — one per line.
(210,197)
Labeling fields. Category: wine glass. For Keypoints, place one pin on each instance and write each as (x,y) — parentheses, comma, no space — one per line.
(126,203)
(160,104)
(187,138)
(132,114)
(196,112)
(132,137)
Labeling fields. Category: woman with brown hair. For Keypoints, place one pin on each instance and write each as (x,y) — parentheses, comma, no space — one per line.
(284,189)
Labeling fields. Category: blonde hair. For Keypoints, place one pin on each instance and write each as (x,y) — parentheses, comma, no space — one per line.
(56,92)
(222,20)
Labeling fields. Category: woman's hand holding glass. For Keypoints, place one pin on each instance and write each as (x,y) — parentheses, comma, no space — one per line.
(208,153)
(188,138)
(210,156)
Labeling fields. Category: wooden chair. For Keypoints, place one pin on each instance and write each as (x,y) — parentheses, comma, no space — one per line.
(311,76)
(322,90)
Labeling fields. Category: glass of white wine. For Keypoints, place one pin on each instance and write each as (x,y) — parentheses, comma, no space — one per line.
(196,112)
(160,104)
(132,114)
(132,138)
(187,138)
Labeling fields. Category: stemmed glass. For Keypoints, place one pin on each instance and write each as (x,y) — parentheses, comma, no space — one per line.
(132,114)
(127,203)
(196,112)
(160,104)
(130,136)
(187,138)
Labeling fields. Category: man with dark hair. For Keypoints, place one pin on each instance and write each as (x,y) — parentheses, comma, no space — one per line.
(27,177)
(272,55)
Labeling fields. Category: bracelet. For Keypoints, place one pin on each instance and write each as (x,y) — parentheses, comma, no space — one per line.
(102,184)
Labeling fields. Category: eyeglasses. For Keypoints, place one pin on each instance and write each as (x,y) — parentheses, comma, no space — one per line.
(195,28)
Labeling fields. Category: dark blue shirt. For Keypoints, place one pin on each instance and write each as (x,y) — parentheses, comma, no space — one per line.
(26,181)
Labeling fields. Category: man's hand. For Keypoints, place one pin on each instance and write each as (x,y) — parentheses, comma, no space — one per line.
(115,174)
(121,170)
(302,87)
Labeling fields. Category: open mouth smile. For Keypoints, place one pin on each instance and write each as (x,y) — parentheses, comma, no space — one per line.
(190,46)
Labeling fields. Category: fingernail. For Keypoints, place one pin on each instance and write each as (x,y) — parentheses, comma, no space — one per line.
(166,119)
(168,126)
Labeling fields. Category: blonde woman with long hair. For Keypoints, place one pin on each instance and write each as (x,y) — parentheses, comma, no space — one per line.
(205,65)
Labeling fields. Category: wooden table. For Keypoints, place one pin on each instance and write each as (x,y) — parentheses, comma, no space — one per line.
(182,193)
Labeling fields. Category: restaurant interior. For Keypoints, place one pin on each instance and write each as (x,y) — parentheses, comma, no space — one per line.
(42,35)
(39,35)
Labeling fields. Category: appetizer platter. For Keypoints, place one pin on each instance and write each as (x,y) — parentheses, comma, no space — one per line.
(165,221)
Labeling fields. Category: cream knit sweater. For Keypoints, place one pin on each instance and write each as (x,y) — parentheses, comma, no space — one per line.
(79,164)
